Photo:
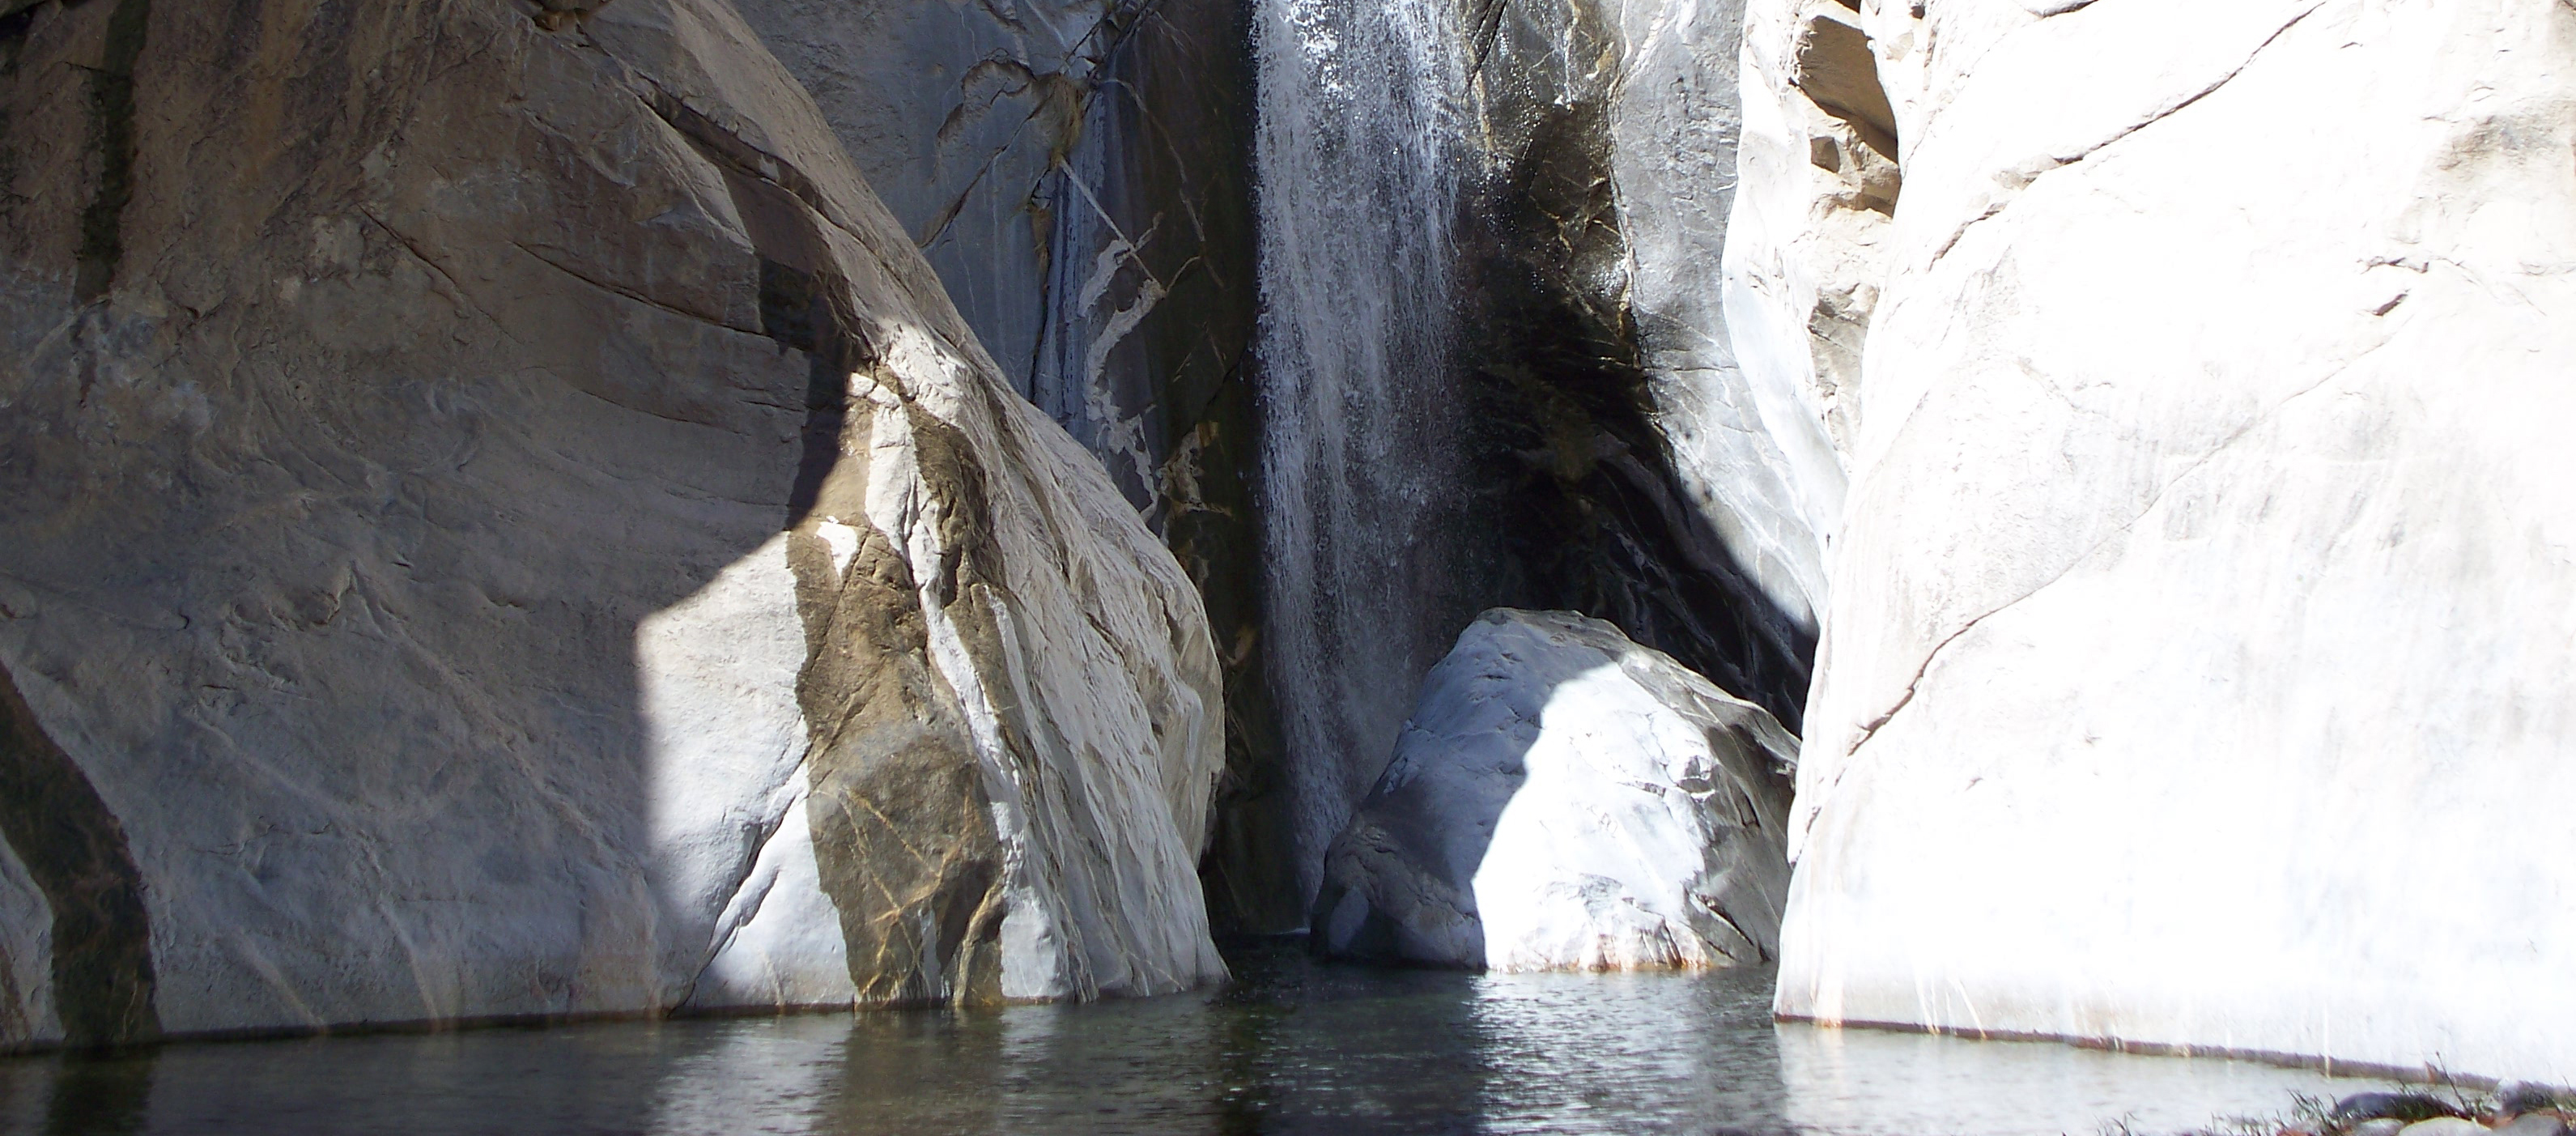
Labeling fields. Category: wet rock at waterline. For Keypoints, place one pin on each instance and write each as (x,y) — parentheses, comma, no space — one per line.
(2206,593)
(1564,799)
(502,522)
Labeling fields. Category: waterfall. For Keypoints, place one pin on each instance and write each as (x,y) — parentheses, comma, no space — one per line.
(1357,177)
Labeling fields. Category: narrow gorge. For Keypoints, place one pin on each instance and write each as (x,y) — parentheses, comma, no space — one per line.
(2019,519)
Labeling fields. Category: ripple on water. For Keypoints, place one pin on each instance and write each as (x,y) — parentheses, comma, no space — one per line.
(1292,1047)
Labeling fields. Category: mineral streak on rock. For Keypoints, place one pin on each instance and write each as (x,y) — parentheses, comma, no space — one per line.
(516,529)
(1564,799)
(1079,175)
(63,840)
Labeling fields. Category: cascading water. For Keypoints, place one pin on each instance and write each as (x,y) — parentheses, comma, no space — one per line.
(1357,179)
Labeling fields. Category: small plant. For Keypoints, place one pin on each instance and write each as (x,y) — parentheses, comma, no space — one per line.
(2310,1115)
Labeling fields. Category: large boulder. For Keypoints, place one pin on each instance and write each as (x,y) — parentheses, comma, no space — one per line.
(2196,672)
(1079,174)
(1565,799)
(502,522)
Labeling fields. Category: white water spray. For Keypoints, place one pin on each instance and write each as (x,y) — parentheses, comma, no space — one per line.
(1357,159)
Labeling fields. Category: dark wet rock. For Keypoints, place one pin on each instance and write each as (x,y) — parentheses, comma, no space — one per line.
(1599,381)
(2533,1124)
(2408,1107)
(2514,1098)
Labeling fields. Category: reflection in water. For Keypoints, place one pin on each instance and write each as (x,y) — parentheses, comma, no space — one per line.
(1293,1047)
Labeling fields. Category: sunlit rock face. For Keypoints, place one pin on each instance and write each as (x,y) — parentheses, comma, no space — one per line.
(1078,172)
(1564,799)
(2196,669)
(502,522)
(1815,199)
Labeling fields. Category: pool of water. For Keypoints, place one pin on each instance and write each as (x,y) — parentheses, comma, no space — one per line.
(1292,1046)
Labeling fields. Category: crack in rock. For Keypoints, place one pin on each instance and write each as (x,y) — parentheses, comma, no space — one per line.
(1871,728)
(2025,176)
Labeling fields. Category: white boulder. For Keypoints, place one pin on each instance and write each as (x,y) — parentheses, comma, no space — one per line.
(1564,799)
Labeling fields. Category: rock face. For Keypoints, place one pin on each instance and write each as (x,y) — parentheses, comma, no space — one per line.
(1078,173)
(1564,799)
(1619,457)
(501,521)
(1815,200)
(2195,672)
(1494,365)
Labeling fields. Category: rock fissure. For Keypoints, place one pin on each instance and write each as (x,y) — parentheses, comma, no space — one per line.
(412,247)
(1871,728)
(626,293)
(2059,162)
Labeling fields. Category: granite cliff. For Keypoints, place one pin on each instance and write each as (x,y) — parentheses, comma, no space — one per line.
(503,522)
(547,507)
(1078,174)
(2194,673)
(1495,367)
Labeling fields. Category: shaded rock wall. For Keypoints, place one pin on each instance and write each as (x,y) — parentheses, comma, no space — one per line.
(2196,666)
(1078,174)
(1494,365)
(1615,449)
(502,522)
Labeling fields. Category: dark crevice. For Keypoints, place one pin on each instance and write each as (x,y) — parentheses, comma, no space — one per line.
(102,242)
(1578,482)
(803,311)
(75,850)
(16,16)
(1837,68)
(1174,144)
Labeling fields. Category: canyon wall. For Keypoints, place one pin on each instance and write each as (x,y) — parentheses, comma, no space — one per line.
(2195,668)
(502,522)
(1078,172)
(1618,451)
(1494,366)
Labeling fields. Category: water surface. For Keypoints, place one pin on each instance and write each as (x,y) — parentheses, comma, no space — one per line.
(1292,1047)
